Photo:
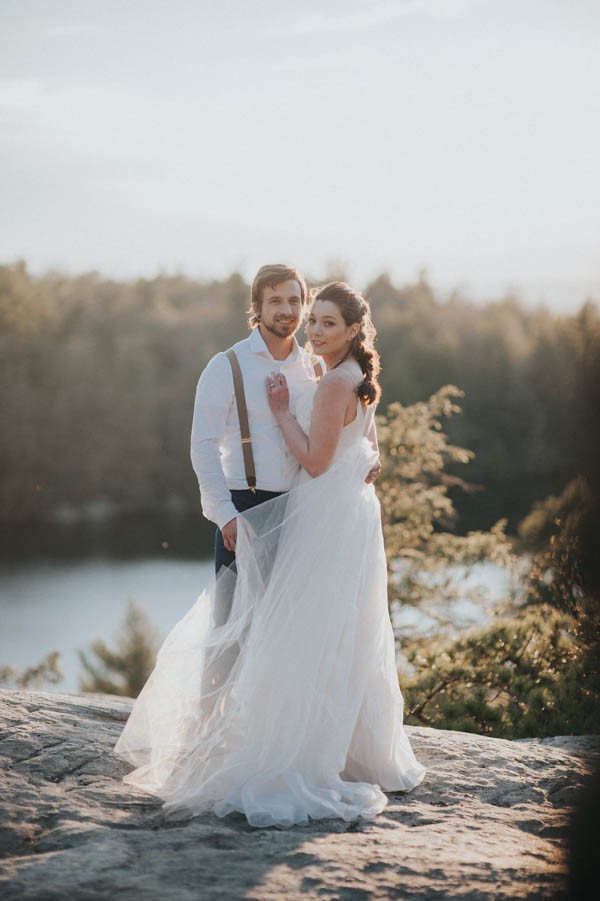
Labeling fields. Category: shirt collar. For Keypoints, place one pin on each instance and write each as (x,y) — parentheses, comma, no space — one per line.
(258,346)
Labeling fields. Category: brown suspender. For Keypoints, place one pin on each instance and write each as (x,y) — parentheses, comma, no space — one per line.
(240,400)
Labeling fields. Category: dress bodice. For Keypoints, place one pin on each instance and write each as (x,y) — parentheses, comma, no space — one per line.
(352,433)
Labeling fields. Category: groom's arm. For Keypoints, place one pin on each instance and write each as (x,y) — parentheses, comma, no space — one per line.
(372,436)
(214,396)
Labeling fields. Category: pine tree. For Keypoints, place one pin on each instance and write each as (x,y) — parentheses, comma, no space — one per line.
(131,663)
(47,671)
(536,671)
(427,562)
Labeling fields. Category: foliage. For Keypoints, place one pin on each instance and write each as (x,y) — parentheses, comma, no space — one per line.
(534,670)
(96,402)
(98,379)
(538,532)
(131,663)
(47,671)
(418,512)
(537,672)
(557,528)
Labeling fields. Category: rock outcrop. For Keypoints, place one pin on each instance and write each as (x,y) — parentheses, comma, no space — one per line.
(489,821)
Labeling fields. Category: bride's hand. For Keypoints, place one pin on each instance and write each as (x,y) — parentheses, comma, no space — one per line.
(278,394)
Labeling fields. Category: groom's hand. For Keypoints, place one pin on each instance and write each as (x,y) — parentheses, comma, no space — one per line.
(373,474)
(229,533)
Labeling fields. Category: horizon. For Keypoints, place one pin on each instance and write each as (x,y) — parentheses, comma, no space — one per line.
(463,293)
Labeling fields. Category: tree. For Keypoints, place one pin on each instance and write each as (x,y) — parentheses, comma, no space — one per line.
(132,661)
(424,556)
(46,671)
(535,671)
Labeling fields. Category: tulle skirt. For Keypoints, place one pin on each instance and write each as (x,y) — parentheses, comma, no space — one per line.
(277,695)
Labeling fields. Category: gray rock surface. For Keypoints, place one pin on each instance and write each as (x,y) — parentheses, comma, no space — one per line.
(488,821)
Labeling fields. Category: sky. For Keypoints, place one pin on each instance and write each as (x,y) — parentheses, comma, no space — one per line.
(459,137)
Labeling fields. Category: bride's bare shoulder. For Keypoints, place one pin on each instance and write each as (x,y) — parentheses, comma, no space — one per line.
(336,381)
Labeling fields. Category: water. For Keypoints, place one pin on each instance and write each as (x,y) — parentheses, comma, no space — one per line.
(463,596)
(63,607)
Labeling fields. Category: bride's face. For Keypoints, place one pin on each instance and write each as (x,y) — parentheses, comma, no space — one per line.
(326,330)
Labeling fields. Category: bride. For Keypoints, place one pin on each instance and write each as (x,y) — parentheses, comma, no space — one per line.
(291,709)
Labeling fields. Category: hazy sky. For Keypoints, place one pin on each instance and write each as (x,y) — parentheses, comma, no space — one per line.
(458,135)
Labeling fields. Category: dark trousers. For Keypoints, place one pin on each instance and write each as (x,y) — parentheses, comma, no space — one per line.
(218,664)
(243,499)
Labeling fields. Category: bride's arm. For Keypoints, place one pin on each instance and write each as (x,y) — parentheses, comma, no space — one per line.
(316,450)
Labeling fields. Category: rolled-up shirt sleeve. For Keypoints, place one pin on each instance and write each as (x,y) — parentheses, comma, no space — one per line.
(372,436)
(214,396)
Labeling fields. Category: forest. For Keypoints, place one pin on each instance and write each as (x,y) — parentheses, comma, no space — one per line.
(99,379)
(489,436)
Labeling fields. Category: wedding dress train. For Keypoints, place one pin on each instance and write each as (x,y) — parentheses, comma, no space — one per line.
(291,709)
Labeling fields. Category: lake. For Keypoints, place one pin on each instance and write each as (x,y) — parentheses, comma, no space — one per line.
(63,606)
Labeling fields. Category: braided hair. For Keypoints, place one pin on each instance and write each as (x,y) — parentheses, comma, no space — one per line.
(354,308)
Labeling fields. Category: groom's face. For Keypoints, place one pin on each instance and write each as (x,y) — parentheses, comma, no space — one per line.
(281,309)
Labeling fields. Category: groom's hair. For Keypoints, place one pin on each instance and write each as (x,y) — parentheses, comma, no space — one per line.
(267,277)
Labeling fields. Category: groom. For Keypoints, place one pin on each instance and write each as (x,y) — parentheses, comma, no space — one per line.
(278,302)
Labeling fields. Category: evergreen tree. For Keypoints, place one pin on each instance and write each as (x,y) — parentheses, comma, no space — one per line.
(47,671)
(125,670)
(535,671)
(427,561)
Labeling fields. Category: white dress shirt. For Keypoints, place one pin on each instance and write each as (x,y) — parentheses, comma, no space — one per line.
(216,445)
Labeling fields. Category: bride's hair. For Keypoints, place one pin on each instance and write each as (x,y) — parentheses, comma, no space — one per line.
(354,307)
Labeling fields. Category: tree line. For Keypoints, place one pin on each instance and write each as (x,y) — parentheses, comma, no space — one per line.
(99,378)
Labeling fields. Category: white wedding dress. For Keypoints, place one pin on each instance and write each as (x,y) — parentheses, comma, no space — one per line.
(290,710)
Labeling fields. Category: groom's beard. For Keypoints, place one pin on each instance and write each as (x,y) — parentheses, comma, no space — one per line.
(281,329)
